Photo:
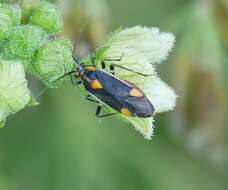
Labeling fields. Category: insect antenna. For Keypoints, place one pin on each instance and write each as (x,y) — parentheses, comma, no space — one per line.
(69,73)
(77,41)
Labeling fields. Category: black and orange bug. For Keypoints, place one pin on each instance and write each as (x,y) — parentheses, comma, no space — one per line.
(105,88)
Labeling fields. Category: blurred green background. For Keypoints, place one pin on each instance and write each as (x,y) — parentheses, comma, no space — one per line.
(61,145)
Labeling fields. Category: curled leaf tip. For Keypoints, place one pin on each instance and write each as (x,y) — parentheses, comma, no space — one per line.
(144,126)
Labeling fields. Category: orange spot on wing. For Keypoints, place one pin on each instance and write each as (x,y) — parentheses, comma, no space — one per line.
(95,84)
(125,112)
(136,93)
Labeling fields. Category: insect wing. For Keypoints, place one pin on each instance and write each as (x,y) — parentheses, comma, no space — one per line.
(120,92)
(112,85)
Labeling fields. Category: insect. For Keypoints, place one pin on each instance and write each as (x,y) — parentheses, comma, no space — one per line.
(105,88)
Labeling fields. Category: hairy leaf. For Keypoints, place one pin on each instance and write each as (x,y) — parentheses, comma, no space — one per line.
(53,60)
(23,41)
(138,49)
(48,17)
(14,93)
(10,16)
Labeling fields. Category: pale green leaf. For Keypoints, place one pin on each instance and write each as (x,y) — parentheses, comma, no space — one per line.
(33,101)
(160,94)
(14,93)
(151,44)
(143,125)
(100,53)
(48,17)
(23,41)
(10,16)
(53,60)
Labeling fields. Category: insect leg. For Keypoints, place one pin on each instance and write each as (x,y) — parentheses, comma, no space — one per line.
(112,69)
(119,59)
(114,59)
(121,67)
(103,65)
(88,97)
(107,115)
(75,82)
(98,111)
(99,107)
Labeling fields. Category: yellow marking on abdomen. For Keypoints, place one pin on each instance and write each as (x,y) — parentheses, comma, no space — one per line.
(95,84)
(136,93)
(125,112)
(91,68)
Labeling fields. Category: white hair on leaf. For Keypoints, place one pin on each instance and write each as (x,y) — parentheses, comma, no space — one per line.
(149,42)
(162,97)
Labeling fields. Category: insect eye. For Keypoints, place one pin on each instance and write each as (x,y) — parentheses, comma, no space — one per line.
(82,65)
